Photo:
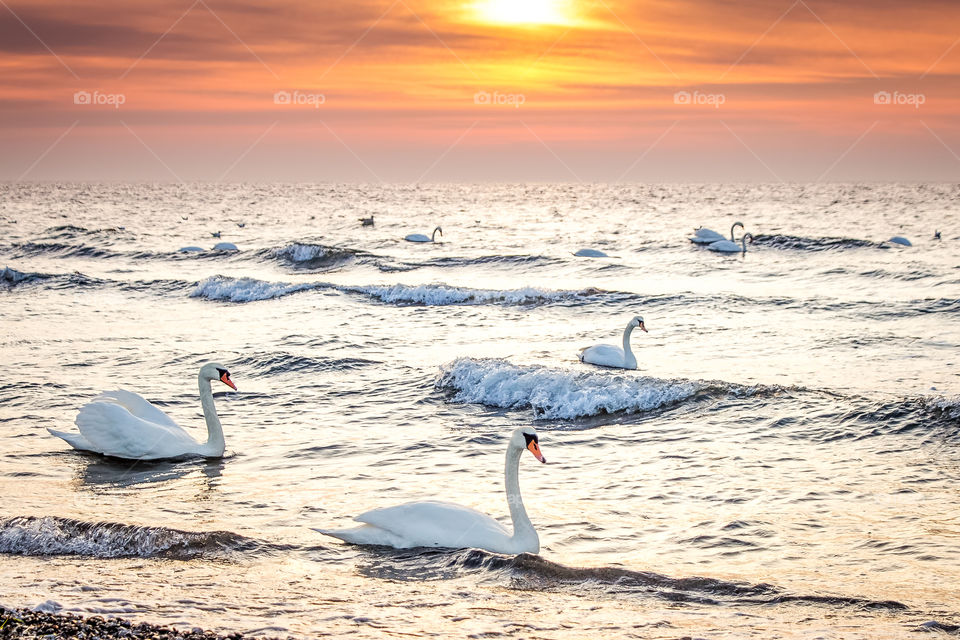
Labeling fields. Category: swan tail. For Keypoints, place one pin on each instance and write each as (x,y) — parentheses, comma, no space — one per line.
(366,534)
(75,440)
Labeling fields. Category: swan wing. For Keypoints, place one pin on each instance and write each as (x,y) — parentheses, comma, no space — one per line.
(137,405)
(605,355)
(438,524)
(113,430)
(725,246)
(702,235)
(417,237)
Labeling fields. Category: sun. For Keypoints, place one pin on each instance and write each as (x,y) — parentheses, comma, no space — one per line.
(523,12)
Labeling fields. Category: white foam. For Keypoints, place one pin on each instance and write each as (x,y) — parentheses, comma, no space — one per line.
(440,294)
(302,252)
(229,289)
(558,393)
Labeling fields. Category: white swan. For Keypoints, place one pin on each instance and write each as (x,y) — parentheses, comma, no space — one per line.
(902,241)
(709,236)
(419,237)
(442,524)
(123,424)
(726,246)
(607,355)
(225,246)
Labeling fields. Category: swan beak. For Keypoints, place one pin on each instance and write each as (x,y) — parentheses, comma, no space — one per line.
(534,448)
(225,379)
(643,328)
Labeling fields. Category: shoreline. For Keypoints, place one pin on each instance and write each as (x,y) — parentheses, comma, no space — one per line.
(25,623)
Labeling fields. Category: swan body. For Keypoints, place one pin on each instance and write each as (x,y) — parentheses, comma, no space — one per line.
(192,249)
(419,237)
(901,241)
(225,246)
(590,253)
(442,524)
(726,246)
(123,424)
(709,236)
(366,222)
(607,355)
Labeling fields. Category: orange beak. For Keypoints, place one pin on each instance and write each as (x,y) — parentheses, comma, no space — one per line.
(643,328)
(225,379)
(535,450)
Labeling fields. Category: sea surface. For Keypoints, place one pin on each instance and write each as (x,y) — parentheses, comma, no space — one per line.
(785,462)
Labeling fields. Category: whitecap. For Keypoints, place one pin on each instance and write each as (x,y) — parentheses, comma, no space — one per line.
(558,393)
(227,289)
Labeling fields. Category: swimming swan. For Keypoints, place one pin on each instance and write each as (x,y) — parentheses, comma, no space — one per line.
(442,524)
(726,246)
(419,237)
(708,236)
(123,424)
(607,355)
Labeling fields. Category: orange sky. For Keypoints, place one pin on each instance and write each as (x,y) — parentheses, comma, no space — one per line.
(397,90)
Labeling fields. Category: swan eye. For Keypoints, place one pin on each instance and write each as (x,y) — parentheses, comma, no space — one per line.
(531,437)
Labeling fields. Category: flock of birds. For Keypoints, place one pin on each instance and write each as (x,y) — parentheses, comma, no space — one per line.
(123,424)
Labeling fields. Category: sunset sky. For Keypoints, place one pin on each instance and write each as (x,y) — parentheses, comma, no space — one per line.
(504,90)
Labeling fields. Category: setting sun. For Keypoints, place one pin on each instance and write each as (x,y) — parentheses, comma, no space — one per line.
(528,12)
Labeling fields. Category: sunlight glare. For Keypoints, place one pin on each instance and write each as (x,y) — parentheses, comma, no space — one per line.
(524,11)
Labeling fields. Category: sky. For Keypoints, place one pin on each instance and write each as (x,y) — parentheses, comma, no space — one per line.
(484,90)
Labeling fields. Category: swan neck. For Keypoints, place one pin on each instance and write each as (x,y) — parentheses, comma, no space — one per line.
(215,444)
(524,535)
(630,360)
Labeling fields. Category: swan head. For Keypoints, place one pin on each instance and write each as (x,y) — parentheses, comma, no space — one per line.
(637,323)
(526,438)
(213,371)
(737,224)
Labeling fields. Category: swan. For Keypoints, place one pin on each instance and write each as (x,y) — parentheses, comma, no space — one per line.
(901,241)
(442,524)
(225,246)
(419,237)
(590,253)
(366,222)
(726,246)
(123,424)
(607,355)
(708,236)
(192,249)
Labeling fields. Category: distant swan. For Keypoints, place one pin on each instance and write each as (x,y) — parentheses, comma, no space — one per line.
(607,355)
(901,241)
(225,246)
(709,236)
(726,246)
(590,253)
(191,249)
(366,222)
(442,524)
(123,424)
(419,237)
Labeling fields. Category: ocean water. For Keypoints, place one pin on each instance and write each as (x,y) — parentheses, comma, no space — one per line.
(784,462)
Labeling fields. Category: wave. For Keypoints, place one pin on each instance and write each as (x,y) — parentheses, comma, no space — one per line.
(227,289)
(315,257)
(565,394)
(272,363)
(441,295)
(12,277)
(782,241)
(47,535)
(530,572)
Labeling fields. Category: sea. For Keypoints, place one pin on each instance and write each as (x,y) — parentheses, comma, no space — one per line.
(784,462)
